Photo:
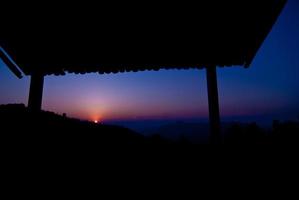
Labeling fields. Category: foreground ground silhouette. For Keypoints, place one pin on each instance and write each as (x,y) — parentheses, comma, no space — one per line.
(19,127)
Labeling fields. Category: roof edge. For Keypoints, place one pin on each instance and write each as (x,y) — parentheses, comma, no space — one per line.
(277,11)
(14,68)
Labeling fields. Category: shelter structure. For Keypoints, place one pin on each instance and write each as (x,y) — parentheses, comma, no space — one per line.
(136,37)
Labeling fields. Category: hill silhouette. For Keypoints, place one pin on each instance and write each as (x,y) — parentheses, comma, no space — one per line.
(22,128)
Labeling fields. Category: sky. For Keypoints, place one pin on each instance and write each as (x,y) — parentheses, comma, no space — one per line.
(270,87)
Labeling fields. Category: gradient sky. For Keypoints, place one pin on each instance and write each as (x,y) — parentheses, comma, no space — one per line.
(270,87)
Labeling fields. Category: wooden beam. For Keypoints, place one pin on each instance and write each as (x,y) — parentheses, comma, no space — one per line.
(36,92)
(215,135)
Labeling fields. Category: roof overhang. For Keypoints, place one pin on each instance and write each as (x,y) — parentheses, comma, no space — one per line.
(119,38)
(10,63)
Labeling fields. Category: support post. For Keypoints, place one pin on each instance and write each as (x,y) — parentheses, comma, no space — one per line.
(36,92)
(214,116)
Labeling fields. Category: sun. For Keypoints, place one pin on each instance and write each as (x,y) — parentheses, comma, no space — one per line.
(95,119)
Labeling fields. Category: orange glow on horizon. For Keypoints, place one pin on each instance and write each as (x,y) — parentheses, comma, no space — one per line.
(95,118)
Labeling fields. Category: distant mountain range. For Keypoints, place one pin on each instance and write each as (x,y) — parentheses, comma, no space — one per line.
(22,127)
(192,131)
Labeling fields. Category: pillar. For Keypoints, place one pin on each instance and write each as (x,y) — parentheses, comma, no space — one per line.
(36,92)
(214,116)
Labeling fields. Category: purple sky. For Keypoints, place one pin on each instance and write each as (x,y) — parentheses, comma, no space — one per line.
(269,87)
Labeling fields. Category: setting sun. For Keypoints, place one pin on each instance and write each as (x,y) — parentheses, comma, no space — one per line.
(95,121)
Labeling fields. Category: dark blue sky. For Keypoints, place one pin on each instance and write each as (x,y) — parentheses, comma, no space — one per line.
(270,87)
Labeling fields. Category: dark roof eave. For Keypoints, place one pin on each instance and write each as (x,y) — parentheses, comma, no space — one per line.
(10,63)
(277,9)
